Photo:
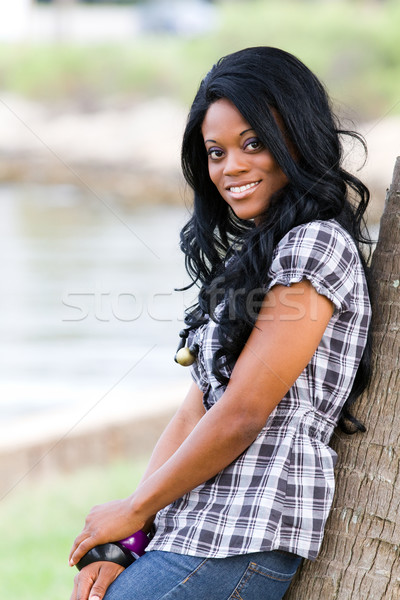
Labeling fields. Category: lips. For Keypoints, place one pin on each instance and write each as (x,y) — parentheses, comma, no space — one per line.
(239,192)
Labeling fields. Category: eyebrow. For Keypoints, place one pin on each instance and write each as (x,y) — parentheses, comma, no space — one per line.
(240,134)
(246,130)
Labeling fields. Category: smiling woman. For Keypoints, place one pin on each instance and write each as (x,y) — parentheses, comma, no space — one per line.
(244,172)
(240,484)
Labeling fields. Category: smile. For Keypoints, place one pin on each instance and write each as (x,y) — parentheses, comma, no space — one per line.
(243,188)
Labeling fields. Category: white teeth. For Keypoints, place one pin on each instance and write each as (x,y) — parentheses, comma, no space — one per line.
(242,188)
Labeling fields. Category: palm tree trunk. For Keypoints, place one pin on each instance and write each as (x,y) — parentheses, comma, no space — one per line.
(360,556)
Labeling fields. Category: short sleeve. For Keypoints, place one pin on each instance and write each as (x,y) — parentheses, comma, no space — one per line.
(321,252)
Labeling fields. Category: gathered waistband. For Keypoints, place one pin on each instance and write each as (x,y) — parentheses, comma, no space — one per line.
(310,422)
(317,426)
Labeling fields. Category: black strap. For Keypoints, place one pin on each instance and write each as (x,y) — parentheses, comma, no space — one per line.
(112,552)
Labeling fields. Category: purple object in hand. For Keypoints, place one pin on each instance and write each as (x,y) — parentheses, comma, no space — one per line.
(136,543)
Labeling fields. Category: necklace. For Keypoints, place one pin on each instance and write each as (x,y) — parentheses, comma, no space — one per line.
(185,355)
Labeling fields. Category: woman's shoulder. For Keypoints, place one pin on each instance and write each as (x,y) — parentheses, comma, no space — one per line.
(328,231)
(324,253)
(319,238)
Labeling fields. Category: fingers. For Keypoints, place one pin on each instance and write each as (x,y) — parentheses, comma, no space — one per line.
(80,547)
(75,545)
(91,534)
(105,523)
(84,541)
(108,573)
(94,580)
(82,587)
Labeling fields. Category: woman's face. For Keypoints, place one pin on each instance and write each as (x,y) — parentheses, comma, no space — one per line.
(243,170)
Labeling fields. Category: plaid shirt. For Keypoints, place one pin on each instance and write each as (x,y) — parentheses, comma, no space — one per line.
(278,493)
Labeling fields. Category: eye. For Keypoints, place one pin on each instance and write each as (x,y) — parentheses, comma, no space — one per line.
(215,153)
(253,144)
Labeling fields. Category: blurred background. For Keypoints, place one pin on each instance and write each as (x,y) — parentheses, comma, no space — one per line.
(93,101)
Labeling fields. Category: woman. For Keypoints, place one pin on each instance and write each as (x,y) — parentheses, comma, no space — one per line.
(241,481)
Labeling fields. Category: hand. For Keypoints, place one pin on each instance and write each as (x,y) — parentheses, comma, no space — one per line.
(94,580)
(108,522)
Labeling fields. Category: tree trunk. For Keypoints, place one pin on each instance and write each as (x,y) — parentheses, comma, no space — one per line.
(360,556)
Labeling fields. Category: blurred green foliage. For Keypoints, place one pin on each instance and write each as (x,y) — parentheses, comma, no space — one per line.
(352,45)
(39,522)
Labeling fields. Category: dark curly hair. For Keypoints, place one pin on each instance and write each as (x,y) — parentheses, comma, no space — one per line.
(259,82)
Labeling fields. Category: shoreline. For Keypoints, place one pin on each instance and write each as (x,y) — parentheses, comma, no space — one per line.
(105,151)
(40,445)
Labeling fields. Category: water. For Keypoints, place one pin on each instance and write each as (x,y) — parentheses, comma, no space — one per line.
(88,311)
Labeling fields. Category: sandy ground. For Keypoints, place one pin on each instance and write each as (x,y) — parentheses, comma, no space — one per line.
(132,152)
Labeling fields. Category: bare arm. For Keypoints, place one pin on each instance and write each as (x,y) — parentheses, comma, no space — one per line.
(177,430)
(288,330)
(95,578)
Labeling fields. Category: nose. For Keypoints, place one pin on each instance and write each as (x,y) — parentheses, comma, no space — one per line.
(235,163)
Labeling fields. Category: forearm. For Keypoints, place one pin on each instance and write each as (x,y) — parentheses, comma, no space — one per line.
(213,444)
(172,437)
(117,520)
(177,430)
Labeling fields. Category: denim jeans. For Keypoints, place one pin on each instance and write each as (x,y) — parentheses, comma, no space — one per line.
(168,576)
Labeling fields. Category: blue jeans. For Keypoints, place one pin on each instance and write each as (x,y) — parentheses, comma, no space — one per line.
(168,576)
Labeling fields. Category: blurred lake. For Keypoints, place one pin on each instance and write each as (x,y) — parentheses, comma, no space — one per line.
(87,308)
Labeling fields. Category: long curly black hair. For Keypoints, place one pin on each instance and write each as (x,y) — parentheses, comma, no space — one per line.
(261,81)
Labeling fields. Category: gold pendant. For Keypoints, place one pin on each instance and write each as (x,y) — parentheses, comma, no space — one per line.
(185,356)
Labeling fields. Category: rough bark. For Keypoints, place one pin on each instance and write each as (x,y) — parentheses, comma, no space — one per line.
(360,557)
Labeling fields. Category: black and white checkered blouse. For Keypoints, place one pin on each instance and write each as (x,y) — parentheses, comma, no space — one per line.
(278,493)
